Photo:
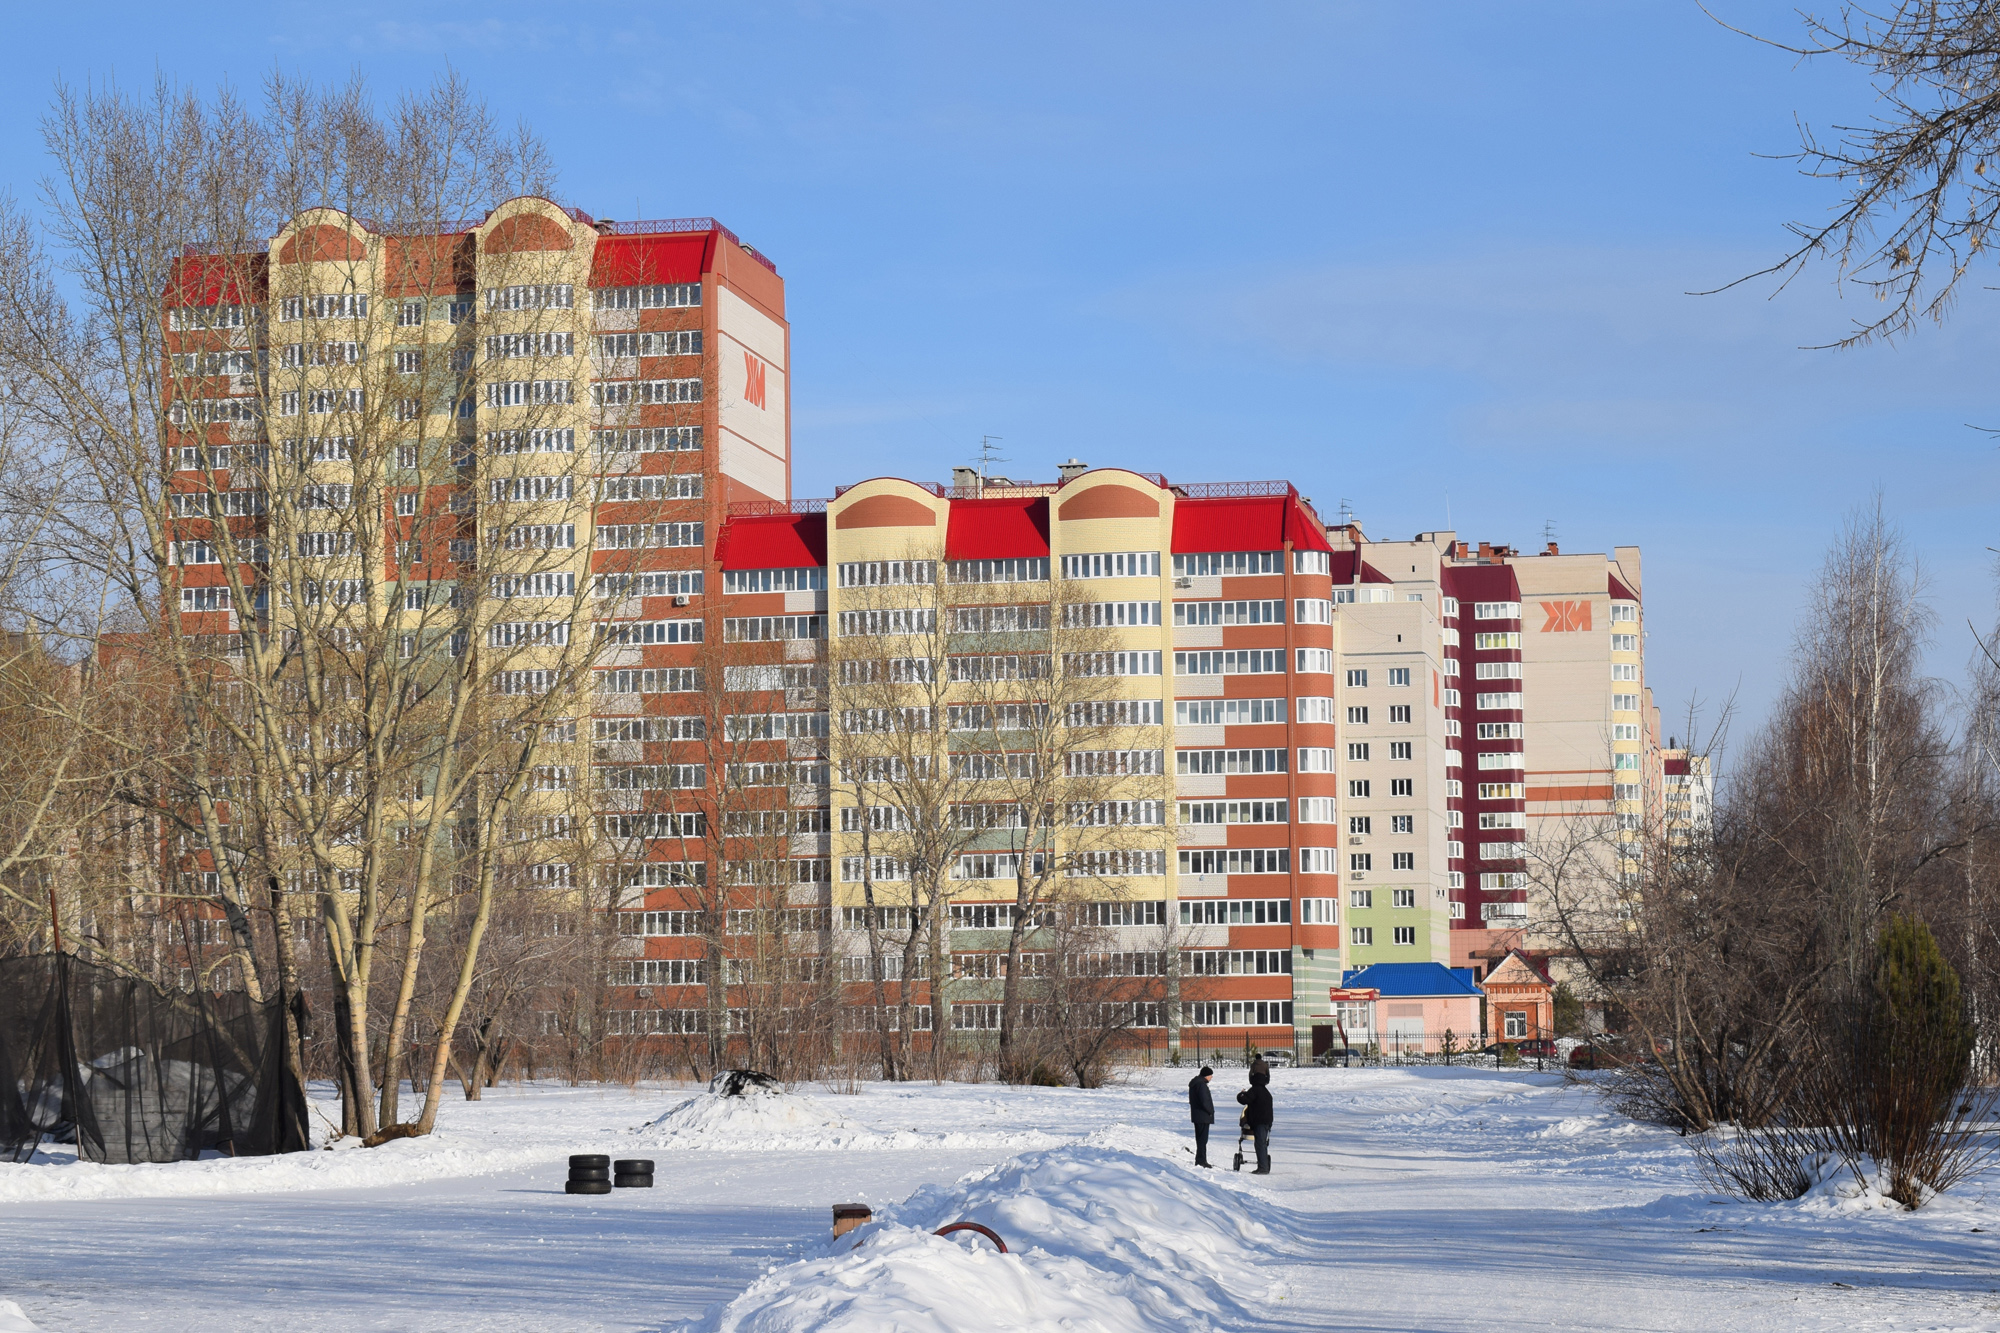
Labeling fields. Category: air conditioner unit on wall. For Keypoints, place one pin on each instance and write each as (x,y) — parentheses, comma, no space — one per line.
(681,599)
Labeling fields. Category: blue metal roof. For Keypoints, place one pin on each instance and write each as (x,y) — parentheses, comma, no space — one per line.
(1412,979)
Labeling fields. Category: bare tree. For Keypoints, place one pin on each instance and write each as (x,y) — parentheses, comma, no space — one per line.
(1919,197)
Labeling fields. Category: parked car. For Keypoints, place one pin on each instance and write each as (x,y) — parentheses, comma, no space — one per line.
(1602,1053)
(1277,1057)
(1537,1048)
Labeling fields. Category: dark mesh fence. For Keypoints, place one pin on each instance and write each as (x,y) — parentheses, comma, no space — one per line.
(130,1073)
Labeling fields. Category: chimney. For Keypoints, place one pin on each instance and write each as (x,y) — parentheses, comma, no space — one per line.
(1461,550)
(965,481)
(1071,470)
(603,226)
(1486,550)
(1552,550)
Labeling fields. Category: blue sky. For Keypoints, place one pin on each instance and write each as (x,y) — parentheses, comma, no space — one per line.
(1432,260)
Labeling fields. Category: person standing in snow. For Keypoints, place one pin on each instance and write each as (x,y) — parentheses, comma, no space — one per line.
(1201,1110)
(1256,1100)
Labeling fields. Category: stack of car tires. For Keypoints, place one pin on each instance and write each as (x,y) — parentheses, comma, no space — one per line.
(589,1173)
(633,1173)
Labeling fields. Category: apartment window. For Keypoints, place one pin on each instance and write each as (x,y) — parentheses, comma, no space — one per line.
(1229,762)
(1458,909)
(1406,934)
(1110,614)
(1403,861)
(1361,861)
(613,490)
(1497,642)
(1316,810)
(674,342)
(1402,823)
(651,439)
(1402,897)
(533,296)
(1317,912)
(1399,675)
(1397,713)
(1624,643)
(1358,787)
(1357,717)
(1198,614)
(1624,613)
(1357,750)
(507,346)
(406,503)
(1361,897)
(1486,702)
(659,296)
(1113,565)
(1315,759)
(1402,786)
(1312,611)
(1311,562)
(1625,731)
(1625,671)
(1500,731)
(1625,703)
(1399,749)
(525,393)
(803,578)
(1221,662)
(1361,825)
(1357,679)
(1362,936)
(1496,610)
(639,393)
(1233,712)
(409,363)
(1448,607)
(1229,564)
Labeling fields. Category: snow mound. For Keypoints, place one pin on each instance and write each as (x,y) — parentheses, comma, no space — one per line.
(13,1319)
(1098,1238)
(764,1118)
(768,1120)
(1838,1190)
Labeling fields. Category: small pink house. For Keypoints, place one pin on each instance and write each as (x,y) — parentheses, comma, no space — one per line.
(1408,1007)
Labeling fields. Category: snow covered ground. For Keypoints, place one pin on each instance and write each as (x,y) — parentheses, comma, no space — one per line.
(1425,1199)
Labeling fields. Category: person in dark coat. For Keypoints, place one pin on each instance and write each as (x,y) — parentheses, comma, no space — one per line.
(1256,1100)
(1201,1110)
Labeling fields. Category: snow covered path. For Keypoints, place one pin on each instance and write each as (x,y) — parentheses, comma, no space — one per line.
(1403,1199)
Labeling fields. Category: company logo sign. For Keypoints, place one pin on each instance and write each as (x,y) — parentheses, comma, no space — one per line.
(1566,617)
(753,388)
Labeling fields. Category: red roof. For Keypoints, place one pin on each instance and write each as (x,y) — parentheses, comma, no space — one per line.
(1676,768)
(997,529)
(632,261)
(1257,523)
(772,541)
(1619,591)
(215,279)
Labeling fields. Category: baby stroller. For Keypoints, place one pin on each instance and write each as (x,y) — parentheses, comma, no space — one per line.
(1242,1136)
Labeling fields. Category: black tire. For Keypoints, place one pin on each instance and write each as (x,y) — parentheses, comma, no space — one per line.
(589,1161)
(633,1182)
(633,1166)
(586,1187)
(581,1176)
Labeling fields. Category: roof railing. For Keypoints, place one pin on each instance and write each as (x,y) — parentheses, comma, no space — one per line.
(659,226)
(766,508)
(1232,490)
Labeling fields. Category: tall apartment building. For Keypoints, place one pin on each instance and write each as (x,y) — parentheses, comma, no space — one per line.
(1548,733)
(1353,739)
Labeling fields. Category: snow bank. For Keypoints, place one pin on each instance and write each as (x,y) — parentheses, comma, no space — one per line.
(1099,1238)
(13,1319)
(774,1121)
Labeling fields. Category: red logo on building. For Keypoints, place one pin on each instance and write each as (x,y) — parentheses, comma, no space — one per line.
(1565,617)
(753,380)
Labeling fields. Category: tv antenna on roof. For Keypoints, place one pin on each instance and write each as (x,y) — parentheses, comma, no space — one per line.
(1549,531)
(1346,512)
(988,455)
